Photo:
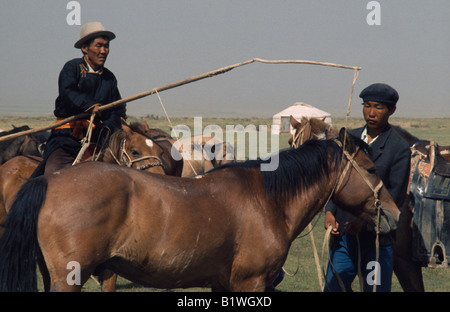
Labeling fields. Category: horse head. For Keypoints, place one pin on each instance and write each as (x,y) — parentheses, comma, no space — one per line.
(360,189)
(310,128)
(132,148)
(172,165)
(23,145)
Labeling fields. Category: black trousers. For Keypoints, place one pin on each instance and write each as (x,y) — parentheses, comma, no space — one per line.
(58,159)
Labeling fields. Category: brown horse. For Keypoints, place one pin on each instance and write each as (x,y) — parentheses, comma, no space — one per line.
(422,146)
(230,229)
(193,160)
(203,153)
(127,147)
(174,167)
(408,272)
(24,145)
(310,128)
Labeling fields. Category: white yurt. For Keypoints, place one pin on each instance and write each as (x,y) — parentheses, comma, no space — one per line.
(281,120)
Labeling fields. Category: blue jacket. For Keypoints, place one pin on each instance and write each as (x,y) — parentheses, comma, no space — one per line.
(391,155)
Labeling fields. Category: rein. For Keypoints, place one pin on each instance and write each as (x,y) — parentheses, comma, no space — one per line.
(376,190)
(127,160)
(298,138)
(377,204)
(125,157)
(352,162)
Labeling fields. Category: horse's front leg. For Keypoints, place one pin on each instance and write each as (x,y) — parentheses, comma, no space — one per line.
(408,272)
(108,280)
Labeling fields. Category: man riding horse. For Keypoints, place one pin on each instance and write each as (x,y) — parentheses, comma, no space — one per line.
(84,84)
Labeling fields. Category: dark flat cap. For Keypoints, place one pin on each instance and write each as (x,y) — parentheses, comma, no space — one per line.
(381,93)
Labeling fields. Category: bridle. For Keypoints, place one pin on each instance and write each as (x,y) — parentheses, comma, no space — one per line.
(298,138)
(305,133)
(129,162)
(377,204)
(376,190)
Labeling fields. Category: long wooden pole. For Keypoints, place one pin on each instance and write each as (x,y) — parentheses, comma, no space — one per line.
(171,86)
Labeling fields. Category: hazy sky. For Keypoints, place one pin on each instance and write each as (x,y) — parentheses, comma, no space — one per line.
(163,41)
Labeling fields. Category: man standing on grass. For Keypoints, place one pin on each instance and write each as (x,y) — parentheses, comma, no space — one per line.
(353,239)
(84,85)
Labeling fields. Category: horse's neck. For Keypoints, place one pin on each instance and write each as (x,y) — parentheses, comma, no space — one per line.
(108,157)
(301,210)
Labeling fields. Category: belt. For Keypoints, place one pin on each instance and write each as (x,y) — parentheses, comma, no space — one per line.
(77,126)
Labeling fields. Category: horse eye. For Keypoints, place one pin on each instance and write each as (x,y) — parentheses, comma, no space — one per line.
(372,170)
(135,153)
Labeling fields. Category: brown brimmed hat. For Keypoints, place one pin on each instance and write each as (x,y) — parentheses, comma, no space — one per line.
(93,30)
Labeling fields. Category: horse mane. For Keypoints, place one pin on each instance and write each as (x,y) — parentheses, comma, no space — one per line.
(8,149)
(19,140)
(14,130)
(298,169)
(116,138)
(319,123)
(137,127)
(153,133)
(411,139)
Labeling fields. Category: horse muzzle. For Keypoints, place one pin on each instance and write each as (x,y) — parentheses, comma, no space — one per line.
(387,220)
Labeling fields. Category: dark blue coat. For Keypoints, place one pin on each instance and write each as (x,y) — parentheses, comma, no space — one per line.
(79,90)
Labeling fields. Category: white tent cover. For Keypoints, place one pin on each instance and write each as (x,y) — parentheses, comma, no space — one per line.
(298,110)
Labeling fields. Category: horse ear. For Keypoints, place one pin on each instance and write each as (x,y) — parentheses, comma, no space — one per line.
(126,128)
(294,122)
(331,132)
(146,126)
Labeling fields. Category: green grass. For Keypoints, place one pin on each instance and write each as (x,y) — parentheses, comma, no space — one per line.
(436,129)
(300,255)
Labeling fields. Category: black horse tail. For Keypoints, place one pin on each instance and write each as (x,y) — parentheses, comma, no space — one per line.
(19,244)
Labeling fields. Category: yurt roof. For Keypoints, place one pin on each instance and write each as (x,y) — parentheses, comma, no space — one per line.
(302,109)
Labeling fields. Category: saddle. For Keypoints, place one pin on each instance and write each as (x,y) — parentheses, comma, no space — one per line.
(442,166)
(89,153)
(430,190)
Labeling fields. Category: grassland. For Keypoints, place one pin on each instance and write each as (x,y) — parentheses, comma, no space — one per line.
(300,258)
(437,129)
